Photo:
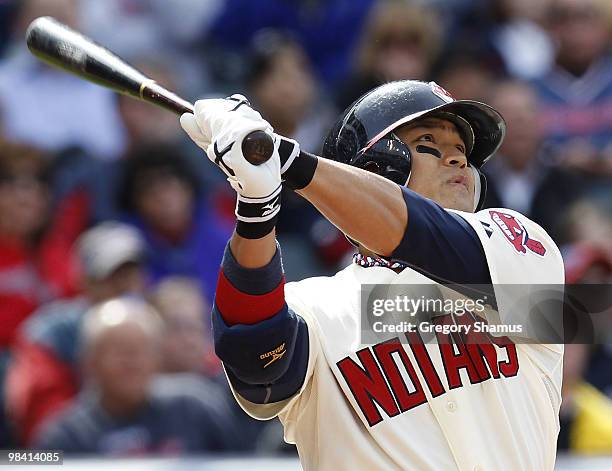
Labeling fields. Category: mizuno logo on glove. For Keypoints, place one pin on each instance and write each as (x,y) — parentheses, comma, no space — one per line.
(270,207)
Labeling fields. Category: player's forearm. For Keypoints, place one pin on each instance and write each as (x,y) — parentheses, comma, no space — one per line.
(253,253)
(367,207)
(247,295)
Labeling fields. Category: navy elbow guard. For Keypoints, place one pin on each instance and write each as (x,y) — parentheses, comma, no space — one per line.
(288,384)
(258,353)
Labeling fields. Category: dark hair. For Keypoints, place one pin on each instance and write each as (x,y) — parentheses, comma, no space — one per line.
(263,49)
(18,159)
(147,161)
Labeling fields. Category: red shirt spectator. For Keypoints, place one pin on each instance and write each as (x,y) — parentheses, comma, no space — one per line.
(35,246)
(44,375)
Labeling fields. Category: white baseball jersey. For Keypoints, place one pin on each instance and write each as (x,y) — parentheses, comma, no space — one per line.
(398,405)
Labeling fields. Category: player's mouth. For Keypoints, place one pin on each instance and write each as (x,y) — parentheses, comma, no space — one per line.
(459,180)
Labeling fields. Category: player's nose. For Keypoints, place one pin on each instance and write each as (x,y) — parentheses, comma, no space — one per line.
(454,158)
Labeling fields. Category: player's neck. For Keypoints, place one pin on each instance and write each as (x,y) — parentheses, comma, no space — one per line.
(368,253)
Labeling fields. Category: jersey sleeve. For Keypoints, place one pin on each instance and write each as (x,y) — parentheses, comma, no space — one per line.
(526,270)
(440,244)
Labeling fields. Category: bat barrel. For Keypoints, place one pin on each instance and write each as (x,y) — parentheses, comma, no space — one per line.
(62,47)
(57,44)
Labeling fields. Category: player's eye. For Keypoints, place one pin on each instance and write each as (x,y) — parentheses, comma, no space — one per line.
(461,149)
(426,137)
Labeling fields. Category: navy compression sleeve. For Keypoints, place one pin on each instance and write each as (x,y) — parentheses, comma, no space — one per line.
(266,361)
(441,244)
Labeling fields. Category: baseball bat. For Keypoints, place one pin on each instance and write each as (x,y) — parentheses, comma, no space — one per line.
(62,47)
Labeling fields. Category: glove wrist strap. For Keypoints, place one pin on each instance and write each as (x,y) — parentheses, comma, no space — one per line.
(255,230)
(256,217)
(297,167)
(300,173)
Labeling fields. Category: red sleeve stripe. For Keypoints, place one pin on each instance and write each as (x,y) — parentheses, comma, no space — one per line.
(237,307)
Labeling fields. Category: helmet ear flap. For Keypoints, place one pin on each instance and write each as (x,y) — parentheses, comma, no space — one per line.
(480,188)
(388,157)
(344,140)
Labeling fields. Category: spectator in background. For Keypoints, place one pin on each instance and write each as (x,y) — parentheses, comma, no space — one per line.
(35,246)
(327,29)
(585,262)
(146,28)
(401,40)
(586,408)
(467,74)
(48,108)
(282,87)
(521,178)
(589,221)
(187,344)
(187,348)
(36,237)
(148,125)
(519,38)
(145,125)
(43,375)
(577,92)
(123,409)
(184,234)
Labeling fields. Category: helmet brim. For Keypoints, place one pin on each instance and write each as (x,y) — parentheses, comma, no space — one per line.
(488,126)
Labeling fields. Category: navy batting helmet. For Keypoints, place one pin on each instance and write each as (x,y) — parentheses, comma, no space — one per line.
(364,137)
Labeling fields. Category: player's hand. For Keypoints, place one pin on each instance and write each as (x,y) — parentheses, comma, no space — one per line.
(218,126)
(202,132)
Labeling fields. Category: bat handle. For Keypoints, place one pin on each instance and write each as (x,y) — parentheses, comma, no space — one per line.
(257,147)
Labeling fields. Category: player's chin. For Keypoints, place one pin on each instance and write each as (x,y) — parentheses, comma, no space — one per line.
(457,196)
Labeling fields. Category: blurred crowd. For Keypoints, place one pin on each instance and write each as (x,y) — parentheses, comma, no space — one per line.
(113,225)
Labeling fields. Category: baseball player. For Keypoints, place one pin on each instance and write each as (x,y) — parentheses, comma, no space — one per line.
(400,176)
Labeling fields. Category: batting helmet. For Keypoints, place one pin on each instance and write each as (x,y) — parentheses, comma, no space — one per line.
(364,137)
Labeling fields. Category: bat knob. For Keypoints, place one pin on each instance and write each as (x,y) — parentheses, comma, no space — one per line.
(257,147)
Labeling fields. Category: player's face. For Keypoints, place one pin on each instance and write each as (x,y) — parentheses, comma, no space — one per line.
(439,165)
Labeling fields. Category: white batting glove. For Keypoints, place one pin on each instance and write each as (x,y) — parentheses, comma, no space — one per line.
(218,127)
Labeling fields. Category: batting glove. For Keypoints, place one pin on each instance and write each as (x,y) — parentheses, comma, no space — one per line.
(218,127)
